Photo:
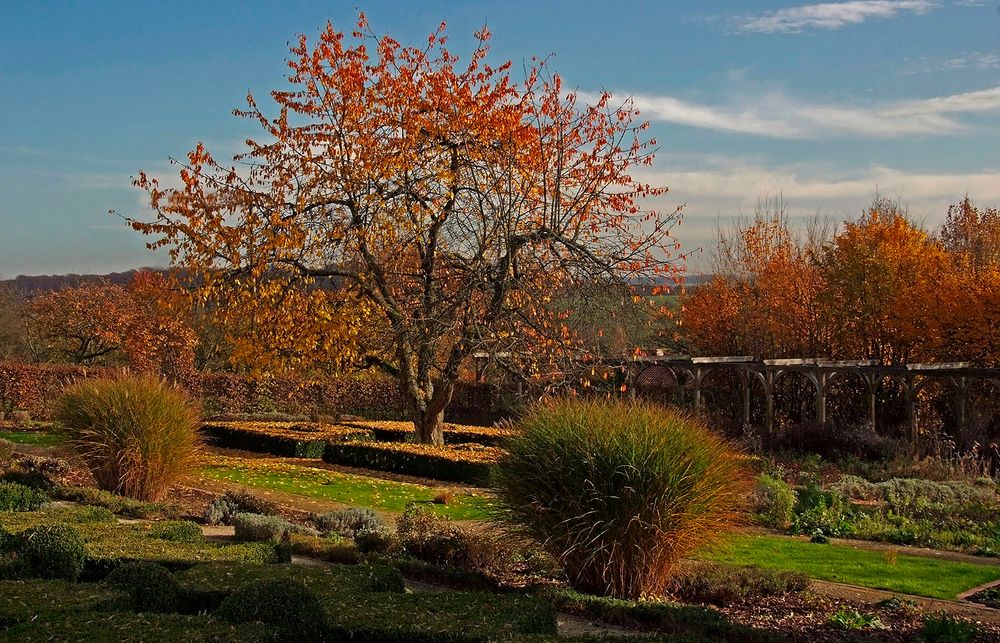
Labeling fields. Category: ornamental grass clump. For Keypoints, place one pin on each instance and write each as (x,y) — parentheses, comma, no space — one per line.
(619,492)
(137,435)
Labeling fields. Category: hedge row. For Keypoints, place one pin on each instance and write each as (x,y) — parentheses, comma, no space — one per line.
(355,603)
(34,387)
(285,439)
(391,431)
(469,464)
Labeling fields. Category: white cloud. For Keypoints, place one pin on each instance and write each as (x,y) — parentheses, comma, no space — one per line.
(826,15)
(776,115)
(715,188)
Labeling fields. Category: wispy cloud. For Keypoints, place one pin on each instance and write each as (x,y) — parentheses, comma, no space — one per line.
(716,188)
(976,60)
(776,115)
(826,15)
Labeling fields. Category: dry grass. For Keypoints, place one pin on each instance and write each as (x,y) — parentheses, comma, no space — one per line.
(619,492)
(137,435)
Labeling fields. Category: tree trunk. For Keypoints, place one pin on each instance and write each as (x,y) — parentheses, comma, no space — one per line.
(428,414)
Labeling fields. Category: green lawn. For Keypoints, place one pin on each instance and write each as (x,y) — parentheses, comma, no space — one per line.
(33,438)
(919,575)
(354,490)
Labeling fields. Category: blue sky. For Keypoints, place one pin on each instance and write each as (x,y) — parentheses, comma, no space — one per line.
(824,102)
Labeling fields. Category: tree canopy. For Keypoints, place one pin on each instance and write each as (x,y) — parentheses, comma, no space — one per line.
(406,210)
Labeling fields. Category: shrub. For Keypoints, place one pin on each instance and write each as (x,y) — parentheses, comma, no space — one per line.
(942,628)
(257,527)
(180,531)
(116,504)
(619,492)
(287,439)
(701,623)
(6,452)
(377,541)
(222,510)
(722,585)
(151,587)
(773,502)
(431,539)
(52,551)
(137,435)
(348,522)
(331,550)
(391,431)
(284,602)
(17,497)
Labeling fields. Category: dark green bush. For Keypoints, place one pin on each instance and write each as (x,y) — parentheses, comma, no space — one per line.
(136,434)
(17,497)
(150,587)
(722,585)
(52,551)
(619,492)
(284,602)
(348,522)
(182,531)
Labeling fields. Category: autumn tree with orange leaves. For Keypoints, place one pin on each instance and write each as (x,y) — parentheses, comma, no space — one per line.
(404,210)
(106,324)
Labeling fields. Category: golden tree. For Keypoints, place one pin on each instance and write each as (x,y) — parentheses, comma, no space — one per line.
(442,205)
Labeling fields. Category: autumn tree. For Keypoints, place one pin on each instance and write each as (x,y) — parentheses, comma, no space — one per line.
(442,204)
(762,299)
(12,330)
(973,234)
(886,287)
(102,323)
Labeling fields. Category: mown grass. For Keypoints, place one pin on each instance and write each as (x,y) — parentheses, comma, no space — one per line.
(896,572)
(33,438)
(360,491)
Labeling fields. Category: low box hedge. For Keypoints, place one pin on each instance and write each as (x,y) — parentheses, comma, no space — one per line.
(469,464)
(130,626)
(285,439)
(390,431)
(110,544)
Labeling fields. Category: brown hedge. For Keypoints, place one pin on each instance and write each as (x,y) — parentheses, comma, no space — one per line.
(34,387)
(391,431)
(467,463)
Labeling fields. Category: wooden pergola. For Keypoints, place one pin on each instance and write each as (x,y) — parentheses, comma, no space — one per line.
(691,373)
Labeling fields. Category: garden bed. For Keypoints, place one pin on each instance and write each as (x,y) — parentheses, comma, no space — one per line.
(468,463)
(285,439)
(389,431)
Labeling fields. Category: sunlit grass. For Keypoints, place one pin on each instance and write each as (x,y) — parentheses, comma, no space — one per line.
(360,491)
(32,438)
(892,571)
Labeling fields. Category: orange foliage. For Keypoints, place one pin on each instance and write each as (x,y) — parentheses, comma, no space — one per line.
(407,211)
(881,288)
(140,325)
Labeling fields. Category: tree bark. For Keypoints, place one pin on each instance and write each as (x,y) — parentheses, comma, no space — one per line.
(428,414)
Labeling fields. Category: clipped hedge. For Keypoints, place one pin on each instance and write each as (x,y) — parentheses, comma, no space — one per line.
(390,431)
(109,545)
(284,439)
(469,464)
